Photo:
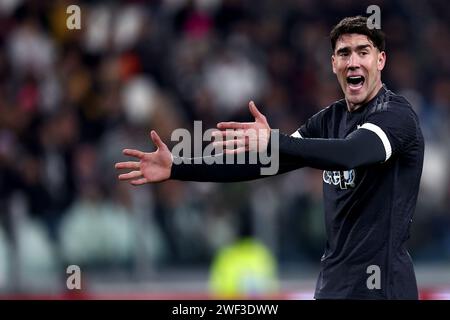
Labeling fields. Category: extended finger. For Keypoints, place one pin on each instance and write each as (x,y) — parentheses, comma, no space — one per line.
(255,112)
(157,140)
(234,125)
(235,151)
(130,175)
(127,165)
(139,182)
(228,134)
(133,153)
(230,143)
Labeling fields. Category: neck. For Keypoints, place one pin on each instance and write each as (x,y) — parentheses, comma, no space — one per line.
(354,106)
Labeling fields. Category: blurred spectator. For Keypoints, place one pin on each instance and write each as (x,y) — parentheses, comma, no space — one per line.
(71,99)
(244,269)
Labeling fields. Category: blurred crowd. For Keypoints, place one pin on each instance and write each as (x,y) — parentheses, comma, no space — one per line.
(71,100)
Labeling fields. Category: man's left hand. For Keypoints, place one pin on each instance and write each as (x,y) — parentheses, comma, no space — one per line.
(237,137)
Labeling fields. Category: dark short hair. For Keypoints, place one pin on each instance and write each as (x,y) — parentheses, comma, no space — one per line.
(357,25)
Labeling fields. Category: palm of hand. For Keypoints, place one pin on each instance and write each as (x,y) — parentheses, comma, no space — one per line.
(151,167)
(155,166)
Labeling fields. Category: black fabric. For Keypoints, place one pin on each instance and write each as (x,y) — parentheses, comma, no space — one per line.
(369,201)
(362,147)
(369,209)
(221,172)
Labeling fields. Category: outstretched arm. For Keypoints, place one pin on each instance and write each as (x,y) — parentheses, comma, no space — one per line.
(220,171)
(362,147)
(160,166)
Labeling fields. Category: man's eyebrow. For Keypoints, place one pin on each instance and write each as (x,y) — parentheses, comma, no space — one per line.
(363,46)
(358,48)
(343,50)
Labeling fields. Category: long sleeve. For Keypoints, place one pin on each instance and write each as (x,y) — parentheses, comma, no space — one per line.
(361,147)
(221,172)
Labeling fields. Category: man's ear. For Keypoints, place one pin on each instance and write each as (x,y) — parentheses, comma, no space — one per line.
(333,61)
(381,60)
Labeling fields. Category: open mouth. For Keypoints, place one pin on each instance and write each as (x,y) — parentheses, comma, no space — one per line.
(355,82)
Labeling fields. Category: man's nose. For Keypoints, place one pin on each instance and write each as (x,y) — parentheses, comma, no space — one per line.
(353,61)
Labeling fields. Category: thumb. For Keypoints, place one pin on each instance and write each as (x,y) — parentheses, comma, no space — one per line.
(255,112)
(157,140)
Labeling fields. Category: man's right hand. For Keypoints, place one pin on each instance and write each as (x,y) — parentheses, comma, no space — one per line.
(151,167)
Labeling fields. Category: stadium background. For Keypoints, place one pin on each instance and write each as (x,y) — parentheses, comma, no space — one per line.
(71,100)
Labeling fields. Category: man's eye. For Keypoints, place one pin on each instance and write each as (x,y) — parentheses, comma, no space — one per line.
(343,54)
(363,53)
